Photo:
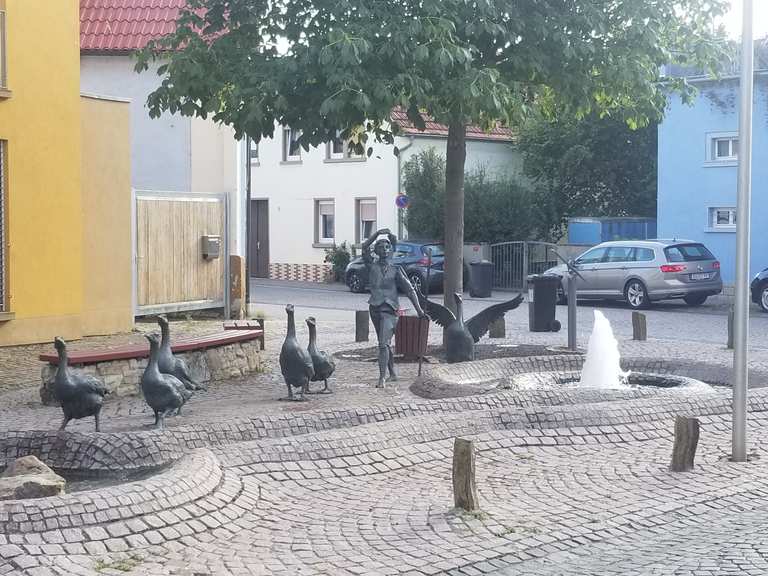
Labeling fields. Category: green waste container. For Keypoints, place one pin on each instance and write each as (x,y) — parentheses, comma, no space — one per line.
(542,303)
(481,281)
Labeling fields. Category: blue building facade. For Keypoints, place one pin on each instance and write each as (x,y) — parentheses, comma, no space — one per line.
(697,173)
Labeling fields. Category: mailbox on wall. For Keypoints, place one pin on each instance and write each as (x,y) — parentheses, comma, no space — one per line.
(211,247)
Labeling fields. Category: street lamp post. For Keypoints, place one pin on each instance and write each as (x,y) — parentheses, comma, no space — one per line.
(743,214)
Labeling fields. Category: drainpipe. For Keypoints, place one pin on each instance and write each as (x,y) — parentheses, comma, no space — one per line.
(247,248)
(400,225)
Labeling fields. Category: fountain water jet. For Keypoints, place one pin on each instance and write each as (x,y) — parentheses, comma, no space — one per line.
(602,367)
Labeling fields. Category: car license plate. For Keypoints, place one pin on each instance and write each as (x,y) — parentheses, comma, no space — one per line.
(704,276)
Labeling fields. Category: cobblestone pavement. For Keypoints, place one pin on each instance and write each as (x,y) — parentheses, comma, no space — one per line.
(571,482)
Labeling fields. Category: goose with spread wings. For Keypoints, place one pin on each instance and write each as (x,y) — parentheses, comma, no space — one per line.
(460,336)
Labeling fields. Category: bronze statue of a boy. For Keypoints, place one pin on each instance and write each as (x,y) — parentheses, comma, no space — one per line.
(384,278)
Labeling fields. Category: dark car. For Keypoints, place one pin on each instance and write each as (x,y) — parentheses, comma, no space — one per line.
(759,288)
(413,257)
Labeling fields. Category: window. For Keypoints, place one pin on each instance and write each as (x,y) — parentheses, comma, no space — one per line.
(643,255)
(3,263)
(722,218)
(338,149)
(722,148)
(402,251)
(688,253)
(3,60)
(324,221)
(366,219)
(254,151)
(594,256)
(619,254)
(291,148)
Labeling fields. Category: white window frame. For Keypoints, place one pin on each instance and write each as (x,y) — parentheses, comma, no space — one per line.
(253,151)
(289,136)
(345,155)
(712,213)
(711,157)
(359,226)
(319,238)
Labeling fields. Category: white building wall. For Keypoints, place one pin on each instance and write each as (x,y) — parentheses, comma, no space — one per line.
(497,157)
(293,188)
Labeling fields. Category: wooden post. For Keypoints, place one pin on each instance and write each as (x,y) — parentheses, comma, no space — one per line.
(237,280)
(361,325)
(730,328)
(639,326)
(498,329)
(686,440)
(464,487)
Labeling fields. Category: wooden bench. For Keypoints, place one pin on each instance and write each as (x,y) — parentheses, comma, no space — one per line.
(131,351)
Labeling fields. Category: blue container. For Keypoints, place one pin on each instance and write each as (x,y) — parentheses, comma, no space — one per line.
(591,231)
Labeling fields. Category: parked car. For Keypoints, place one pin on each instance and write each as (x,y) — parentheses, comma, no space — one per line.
(644,271)
(414,258)
(759,289)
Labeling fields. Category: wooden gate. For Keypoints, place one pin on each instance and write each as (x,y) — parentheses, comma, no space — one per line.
(171,272)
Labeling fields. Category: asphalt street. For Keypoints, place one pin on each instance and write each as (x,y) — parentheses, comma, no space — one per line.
(672,320)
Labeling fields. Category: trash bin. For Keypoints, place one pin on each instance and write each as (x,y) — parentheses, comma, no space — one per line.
(481,279)
(542,302)
(411,336)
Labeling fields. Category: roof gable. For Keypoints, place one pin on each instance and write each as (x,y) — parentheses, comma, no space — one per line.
(437,130)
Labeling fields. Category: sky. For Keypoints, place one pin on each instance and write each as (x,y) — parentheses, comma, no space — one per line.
(759,19)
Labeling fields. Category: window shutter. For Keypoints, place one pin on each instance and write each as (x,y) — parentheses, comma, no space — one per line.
(368,211)
(326,208)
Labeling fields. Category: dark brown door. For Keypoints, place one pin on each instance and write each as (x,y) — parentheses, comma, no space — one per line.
(258,251)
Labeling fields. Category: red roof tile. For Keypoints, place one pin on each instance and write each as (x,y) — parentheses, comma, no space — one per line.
(433,128)
(122,25)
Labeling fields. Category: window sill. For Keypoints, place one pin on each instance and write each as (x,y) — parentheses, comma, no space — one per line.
(721,230)
(288,162)
(323,244)
(255,163)
(344,160)
(6,316)
(5,93)
(720,163)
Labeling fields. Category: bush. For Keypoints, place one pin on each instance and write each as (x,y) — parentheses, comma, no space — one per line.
(338,257)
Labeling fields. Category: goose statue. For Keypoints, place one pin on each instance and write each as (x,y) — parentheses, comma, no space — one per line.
(460,336)
(80,395)
(295,361)
(170,364)
(321,361)
(163,392)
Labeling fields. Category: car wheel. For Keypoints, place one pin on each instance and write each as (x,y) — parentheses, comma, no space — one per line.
(636,295)
(695,299)
(417,283)
(355,282)
(764,297)
(562,297)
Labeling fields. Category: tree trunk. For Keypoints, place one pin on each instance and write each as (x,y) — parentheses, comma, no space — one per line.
(453,237)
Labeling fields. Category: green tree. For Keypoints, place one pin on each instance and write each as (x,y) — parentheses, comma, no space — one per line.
(497,208)
(349,62)
(590,167)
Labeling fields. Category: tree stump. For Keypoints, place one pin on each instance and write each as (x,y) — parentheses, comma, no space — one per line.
(498,329)
(730,328)
(464,486)
(361,325)
(639,326)
(686,440)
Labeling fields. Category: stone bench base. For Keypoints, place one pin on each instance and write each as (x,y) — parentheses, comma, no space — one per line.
(123,377)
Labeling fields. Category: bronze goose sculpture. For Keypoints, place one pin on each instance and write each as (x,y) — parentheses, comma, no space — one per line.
(163,392)
(461,336)
(80,395)
(295,361)
(321,361)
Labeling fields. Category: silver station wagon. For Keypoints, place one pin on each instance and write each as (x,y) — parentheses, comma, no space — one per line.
(641,271)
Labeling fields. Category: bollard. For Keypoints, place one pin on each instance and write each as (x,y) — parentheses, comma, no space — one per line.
(464,487)
(639,326)
(498,329)
(686,440)
(361,325)
(730,328)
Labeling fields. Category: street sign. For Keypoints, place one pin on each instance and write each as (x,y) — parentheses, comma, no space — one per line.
(402,201)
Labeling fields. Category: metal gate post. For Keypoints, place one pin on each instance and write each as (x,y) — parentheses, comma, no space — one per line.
(525,264)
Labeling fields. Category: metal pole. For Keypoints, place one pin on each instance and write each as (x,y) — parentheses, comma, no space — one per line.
(247,247)
(743,214)
(572,312)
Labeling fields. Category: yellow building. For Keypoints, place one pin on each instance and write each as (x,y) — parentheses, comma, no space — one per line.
(65,199)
